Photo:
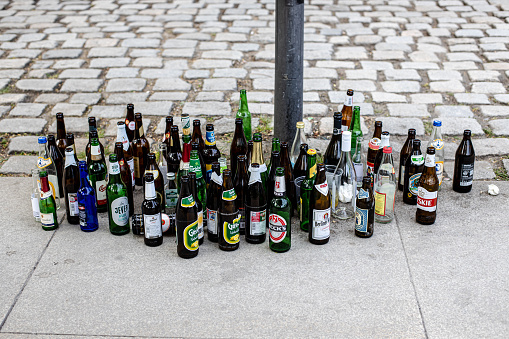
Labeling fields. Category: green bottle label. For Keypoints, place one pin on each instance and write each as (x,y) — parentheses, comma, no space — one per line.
(172,197)
(194,166)
(231,231)
(187,201)
(230,195)
(191,236)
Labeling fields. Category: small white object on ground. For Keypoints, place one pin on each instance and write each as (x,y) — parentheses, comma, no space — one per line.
(493,189)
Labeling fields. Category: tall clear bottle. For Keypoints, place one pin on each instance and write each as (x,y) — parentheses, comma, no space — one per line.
(358,161)
(344,184)
(300,138)
(36,194)
(385,188)
(161,162)
(355,127)
(171,198)
(244,114)
(437,141)
(45,163)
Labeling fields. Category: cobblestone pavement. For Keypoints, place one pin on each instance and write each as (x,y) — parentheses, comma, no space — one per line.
(408,61)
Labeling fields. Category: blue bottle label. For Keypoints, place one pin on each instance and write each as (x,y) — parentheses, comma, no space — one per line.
(361,220)
(210,138)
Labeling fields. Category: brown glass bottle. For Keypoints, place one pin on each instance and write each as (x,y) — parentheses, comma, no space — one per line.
(240,183)
(238,146)
(61,139)
(256,208)
(210,154)
(58,159)
(333,152)
(377,133)
(130,124)
(174,152)
(320,209)
(300,168)
(92,127)
(249,154)
(152,167)
(197,136)
(290,184)
(413,169)
(374,145)
(214,196)
(167,131)
(427,191)
(403,155)
(141,149)
(365,210)
(229,218)
(70,143)
(125,174)
(187,222)
(464,165)
(346,112)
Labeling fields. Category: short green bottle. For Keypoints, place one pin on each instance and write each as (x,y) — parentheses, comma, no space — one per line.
(118,202)
(280,223)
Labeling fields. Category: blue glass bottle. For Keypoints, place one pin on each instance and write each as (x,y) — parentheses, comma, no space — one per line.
(86,202)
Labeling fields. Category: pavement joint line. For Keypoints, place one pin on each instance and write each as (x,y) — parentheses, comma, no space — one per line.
(412,279)
(92,335)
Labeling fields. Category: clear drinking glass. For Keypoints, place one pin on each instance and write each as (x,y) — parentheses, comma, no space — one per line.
(344,183)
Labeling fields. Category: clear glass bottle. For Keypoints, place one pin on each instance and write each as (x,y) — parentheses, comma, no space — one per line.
(161,163)
(385,188)
(300,138)
(45,163)
(344,183)
(437,141)
(35,194)
(358,161)
(171,198)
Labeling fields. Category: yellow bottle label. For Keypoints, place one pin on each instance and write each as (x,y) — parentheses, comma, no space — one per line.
(380,201)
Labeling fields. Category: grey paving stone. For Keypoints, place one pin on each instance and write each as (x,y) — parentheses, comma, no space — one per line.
(207,108)
(20,125)
(126,98)
(37,84)
(460,65)
(471,98)
(64,64)
(123,72)
(255,96)
(367,74)
(340,97)
(419,65)
(169,96)
(506,164)
(107,52)
(171,84)
(82,85)
(402,74)
(317,85)
(141,43)
(197,74)
(483,170)
(495,111)
(111,129)
(41,73)
(11,73)
(151,73)
(488,88)
(209,63)
(263,84)
(179,53)
(72,125)
(387,97)
(68,53)
(315,109)
(27,143)
(311,96)
(499,127)
(69,109)
(13,63)
(503,98)
(108,112)
(435,75)
(400,126)
(454,111)
(80,73)
(447,86)
(237,73)
(27,109)
(210,96)
(85,98)
(408,110)
(484,75)
(154,108)
(11,98)
(224,84)
(19,164)
(25,53)
(4,109)
(125,85)
(426,98)
(109,62)
(357,85)
(224,125)
(456,126)
(148,62)
(491,146)
(401,86)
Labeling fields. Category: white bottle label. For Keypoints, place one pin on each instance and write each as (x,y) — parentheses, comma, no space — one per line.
(466,174)
(427,201)
(321,224)
(120,211)
(100,191)
(258,222)
(323,188)
(277,228)
(212,221)
(43,162)
(131,168)
(73,204)
(131,125)
(35,206)
(53,184)
(153,227)
(47,219)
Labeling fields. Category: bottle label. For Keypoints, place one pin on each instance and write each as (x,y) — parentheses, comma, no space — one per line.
(359,169)
(114,168)
(153,227)
(254,178)
(430,160)
(402,174)
(45,195)
(35,206)
(130,124)
(131,168)
(155,173)
(212,221)
(323,188)
(231,231)
(242,223)
(380,201)
(210,138)
(47,219)
(187,201)
(208,172)
(312,171)
(100,191)
(200,224)
(417,159)
(300,209)
(229,195)
(141,131)
(370,168)
(438,144)
(349,100)
(277,228)
(136,165)
(95,150)
(427,201)
(363,194)
(172,197)
(194,166)
(258,222)
(321,224)
(344,128)
(167,136)
(186,125)
(82,212)
(374,144)
(191,234)
(120,211)
(279,185)
(43,162)
(413,183)
(361,220)
(467,174)
(73,204)
(218,179)
(439,166)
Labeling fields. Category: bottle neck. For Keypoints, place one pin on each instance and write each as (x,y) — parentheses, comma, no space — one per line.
(257,156)
(122,137)
(243,102)
(44,184)
(175,145)
(43,152)
(280,186)
(114,172)
(430,160)
(83,177)
(356,121)
(70,160)
(385,142)
(139,132)
(239,132)
(150,190)
(311,160)
(60,129)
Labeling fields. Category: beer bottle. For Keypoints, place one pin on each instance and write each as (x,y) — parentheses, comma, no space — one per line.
(240,183)
(125,175)
(92,133)
(464,165)
(437,142)
(403,155)
(358,161)
(385,188)
(61,139)
(413,169)
(44,162)
(158,179)
(71,184)
(197,136)
(379,155)
(305,190)
(365,210)
(290,184)
(257,157)
(118,203)
(344,183)
(280,222)
(184,163)
(70,143)
(299,139)
(256,207)
(249,153)
(86,202)
(214,195)
(186,128)
(128,150)
(97,175)
(171,199)
(300,167)
(333,152)
(151,213)
(355,127)
(346,112)
(201,186)
(229,217)
(141,149)
(276,146)
(167,131)
(239,145)
(320,209)
(374,145)
(175,152)
(194,147)
(275,159)
(244,114)
(210,154)
(187,222)
(161,161)
(129,122)
(427,194)
(377,133)
(199,206)
(47,205)
(58,160)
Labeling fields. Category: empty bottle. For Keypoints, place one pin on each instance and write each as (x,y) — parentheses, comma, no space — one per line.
(300,166)
(151,167)
(385,188)
(385,142)
(186,128)
(161,161)
(437,142)
(256,207)
(171,199)
(58,160)
(346,111)
(92,133)
(130,124)
(427,195)
(280,222)
(464,165)
(257,157)
(244,114)
(125,175)
(229,217)
(403,155)
(344,184)
(290,183)
(174,152)
(199,206)
(187,222)
(151,214)
(305,190)
(61,140)
(214,196)
(358,161)
(355,127)
(87,204)
(211,153)
(47,206)
(320,209)
(365,210)
(299,139)
(36,194)
(141,149)
(97,175)
(71,184)
(118,202)
(45,163)
(128,150)
(238,146)
(240,183)
(413,169)
(167,131)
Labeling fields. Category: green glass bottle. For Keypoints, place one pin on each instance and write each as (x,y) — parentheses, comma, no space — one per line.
(97,175)
(118,202)
(244,114)
(276,146)
(186,128)
(355,128)
(201,185)
(47,206)
(305,190)
(280,223)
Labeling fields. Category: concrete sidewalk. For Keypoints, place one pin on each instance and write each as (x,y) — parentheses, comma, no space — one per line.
(448,280)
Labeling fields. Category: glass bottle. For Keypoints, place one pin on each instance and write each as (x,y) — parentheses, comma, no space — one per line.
(256,207)
(346,111)
(92,133)
(171,199)
(153,235)
(280,222)
(45,163)
(118,203)
(385,188)
(300,138)
(128,150)
(244,114)
(129,122)
(365,210)
(290,183)
(70,143)
(167,131)
(184,163)
(47,206)
(36,194)
(61,134)
(464,165)
(211,153)
(186,128)
(125,174)
(141,149)
(229,217)
(240,183)
(71,184)
(413,169)
(427,195)
(300,167)
(199,206)
(87,205)
(358,161)
(320,209)
(249,153)
(214,195)
(201,186)
(385,142)
(437,141)
(276,146)
(377,133)
(403,155)
(373,147)
(197,136)
(305,190)
(187,222)
(238,146)
(222,164)
(195,147)
(97,176)
(257,157)
(355,127)
(275,159)
(175,152)
(333,152)
(162,164)
(158,180)
(344,184)
(58,160)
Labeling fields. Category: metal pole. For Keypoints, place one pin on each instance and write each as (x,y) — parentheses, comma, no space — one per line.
(289,68)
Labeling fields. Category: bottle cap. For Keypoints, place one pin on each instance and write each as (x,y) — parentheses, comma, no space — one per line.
(69,150)
(300,124)
(311,151)
(437,123)
(374,143)
(42,140)
(467,132)
(387,149)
